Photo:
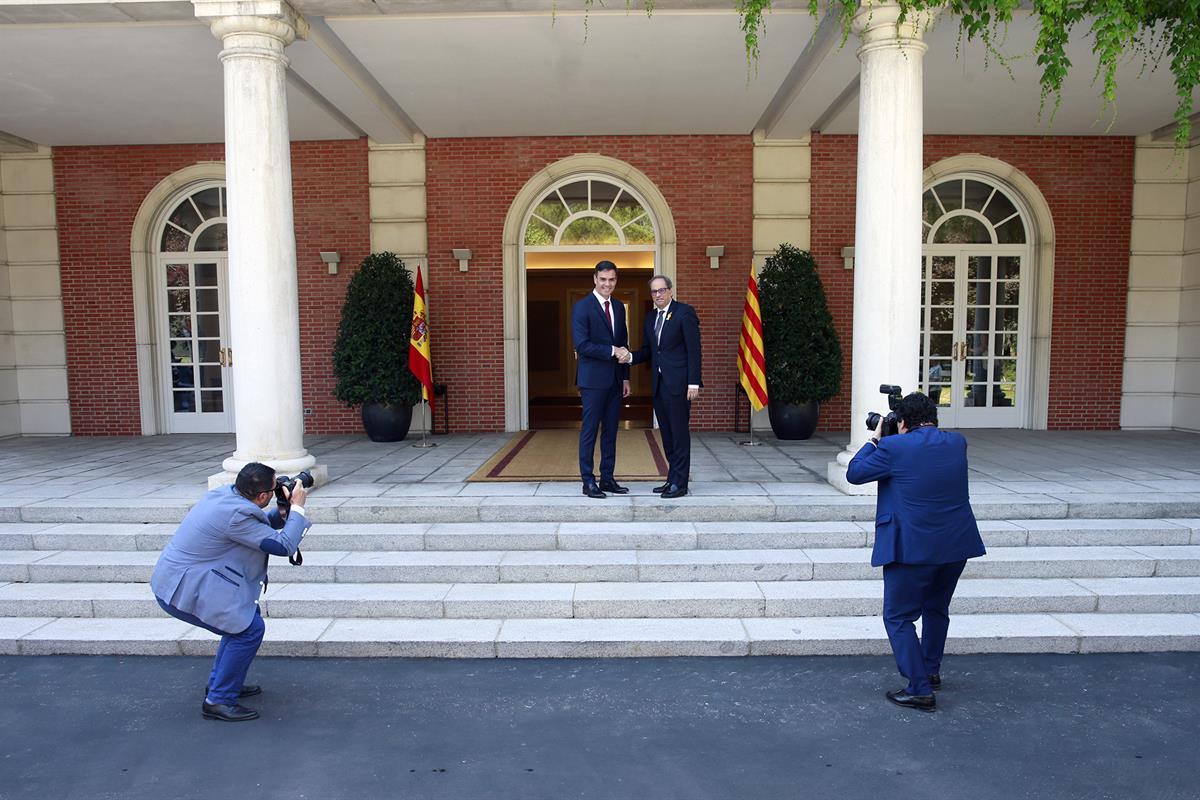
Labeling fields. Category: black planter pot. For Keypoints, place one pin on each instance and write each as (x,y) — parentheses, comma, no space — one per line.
(385,422)
(793,422)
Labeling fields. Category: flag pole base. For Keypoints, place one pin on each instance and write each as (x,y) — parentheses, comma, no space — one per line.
(423,443)
(750,443)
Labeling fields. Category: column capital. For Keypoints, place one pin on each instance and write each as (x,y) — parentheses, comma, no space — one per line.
(272,18)
(878,24)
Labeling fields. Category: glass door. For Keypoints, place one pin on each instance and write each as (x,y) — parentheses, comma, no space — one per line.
(197,361)
(971,339)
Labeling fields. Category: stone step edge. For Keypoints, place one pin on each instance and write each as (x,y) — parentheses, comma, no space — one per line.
(575,638)
(714,508)
(429,537)
(620,600)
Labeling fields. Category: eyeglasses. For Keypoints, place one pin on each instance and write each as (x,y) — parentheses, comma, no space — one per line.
(660,291)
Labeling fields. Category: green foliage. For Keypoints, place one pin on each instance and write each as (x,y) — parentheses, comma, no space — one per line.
(370,356)
(800,345)
(1155,30)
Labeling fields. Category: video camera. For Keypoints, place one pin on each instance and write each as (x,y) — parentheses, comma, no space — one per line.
(283,501)
(888,425)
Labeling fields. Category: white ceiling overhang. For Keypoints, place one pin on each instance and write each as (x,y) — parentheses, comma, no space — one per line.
(147,72)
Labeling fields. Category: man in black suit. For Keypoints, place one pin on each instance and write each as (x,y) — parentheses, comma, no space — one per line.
(671,343)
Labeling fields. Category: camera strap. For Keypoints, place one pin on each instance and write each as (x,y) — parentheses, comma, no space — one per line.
(296,559)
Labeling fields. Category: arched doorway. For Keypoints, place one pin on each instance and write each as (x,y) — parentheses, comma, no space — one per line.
(586,220)
(579,221)
(977,297)
(191,320)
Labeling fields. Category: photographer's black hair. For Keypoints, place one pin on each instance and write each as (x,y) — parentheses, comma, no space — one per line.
(254,479)
(916,410)
(604,266)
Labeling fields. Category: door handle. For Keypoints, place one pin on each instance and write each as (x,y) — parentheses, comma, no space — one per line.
(225,356)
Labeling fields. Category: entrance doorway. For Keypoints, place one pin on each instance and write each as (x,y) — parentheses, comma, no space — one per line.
(974,334)
(191,288)
(580,221)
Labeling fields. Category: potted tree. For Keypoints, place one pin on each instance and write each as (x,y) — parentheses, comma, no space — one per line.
(800,346)
(370,356)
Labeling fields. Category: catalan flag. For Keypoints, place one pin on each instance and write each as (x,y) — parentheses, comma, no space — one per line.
(752,371)
(419,361)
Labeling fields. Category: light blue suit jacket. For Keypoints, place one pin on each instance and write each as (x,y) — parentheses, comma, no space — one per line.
(923,513)
(213,567)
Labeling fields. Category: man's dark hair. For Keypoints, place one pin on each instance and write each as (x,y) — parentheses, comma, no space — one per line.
(254,479)
(604,266)
(916,410)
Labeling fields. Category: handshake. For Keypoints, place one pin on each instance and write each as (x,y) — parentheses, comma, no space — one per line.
(623,355)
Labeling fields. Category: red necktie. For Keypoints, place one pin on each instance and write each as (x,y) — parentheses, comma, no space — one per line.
(608,314)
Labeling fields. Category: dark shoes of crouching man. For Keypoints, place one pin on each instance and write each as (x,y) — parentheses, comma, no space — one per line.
(921,702)
(233,713)
(224,713)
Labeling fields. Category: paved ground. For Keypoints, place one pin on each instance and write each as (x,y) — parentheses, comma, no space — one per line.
(1002,462)
(1008,727)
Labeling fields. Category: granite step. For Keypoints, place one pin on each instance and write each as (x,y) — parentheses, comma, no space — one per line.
(576,638)
(733,535)
(621,600)
(585,566)
(628,508)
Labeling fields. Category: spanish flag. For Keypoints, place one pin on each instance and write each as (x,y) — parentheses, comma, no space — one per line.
(752,371)
(419,361)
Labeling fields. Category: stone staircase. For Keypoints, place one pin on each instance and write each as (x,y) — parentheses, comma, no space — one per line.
(491,576)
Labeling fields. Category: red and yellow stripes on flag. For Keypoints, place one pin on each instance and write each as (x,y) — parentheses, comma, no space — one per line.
(419,361)
(752,370)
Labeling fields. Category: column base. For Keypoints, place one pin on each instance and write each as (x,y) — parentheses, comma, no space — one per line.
(226,477)
(836,475)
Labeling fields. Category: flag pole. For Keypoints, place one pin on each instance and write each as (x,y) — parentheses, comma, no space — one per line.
(750,424)
(424,406)
(426,374)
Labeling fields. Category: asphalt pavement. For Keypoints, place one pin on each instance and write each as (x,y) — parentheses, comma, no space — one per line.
(1007,727)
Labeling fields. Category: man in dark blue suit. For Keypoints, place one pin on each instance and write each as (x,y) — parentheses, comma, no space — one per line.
(671,343)
(924,533)
(601,342)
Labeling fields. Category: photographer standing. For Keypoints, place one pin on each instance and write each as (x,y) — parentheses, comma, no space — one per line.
(924,533)
(212,571)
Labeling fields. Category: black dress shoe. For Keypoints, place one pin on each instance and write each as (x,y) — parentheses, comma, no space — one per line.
(224,713)
(614,487)
(674,491)
(935,680)
(248,690)
(921,702)
(592,490)
(661,489)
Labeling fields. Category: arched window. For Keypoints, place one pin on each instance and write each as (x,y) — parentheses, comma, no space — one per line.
(589,212)
(197,224)
(968,211)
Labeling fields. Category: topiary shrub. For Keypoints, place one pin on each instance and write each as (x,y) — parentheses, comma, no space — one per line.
(370,356)
(800,345)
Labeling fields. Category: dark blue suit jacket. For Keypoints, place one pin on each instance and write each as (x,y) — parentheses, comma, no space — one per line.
(923,514)
(595,367)
(676,353)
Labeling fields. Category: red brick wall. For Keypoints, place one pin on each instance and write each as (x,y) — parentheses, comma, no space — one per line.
(707,182)
(98,193)
(1088,184)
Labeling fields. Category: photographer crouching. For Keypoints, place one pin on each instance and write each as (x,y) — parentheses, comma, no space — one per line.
(925,531)
(214,568)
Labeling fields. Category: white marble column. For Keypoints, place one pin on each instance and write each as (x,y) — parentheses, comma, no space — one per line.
(264,316)
(887,239)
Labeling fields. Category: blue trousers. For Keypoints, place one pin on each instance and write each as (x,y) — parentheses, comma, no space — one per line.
(234,654)
(919,590)
(601,411)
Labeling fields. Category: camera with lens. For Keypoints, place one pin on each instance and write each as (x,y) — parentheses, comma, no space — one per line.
(283,500)
(889,424)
